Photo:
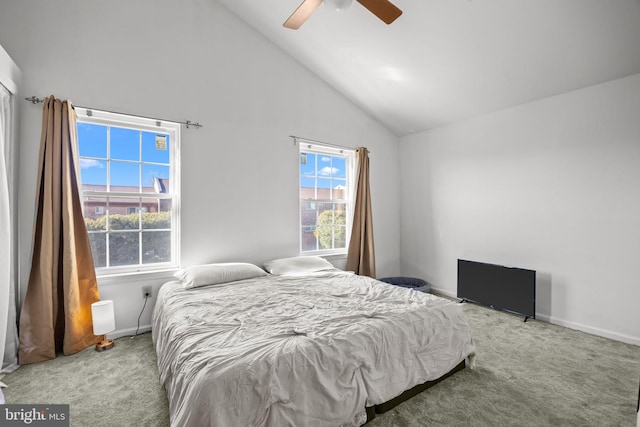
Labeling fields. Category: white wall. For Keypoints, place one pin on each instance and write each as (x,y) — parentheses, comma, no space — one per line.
(195,60)
(552,186)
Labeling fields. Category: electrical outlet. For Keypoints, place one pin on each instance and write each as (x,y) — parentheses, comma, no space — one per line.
(146,291)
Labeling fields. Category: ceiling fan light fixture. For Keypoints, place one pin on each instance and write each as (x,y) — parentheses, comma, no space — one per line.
(338,4)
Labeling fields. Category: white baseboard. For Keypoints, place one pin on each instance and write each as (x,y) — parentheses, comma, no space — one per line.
(567,324)
(589,329)
(444,292)
(128,332)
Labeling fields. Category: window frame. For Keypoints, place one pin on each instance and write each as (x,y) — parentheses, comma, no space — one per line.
(349,155)
(111,119)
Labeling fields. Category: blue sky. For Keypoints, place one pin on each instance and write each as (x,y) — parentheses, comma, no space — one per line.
(125,152)
(330,169)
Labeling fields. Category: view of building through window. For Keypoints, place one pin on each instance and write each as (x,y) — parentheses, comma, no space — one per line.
(127,167)
(324,198)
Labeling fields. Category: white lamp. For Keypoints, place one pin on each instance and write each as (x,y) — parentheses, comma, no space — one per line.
(338,4)
(104,321)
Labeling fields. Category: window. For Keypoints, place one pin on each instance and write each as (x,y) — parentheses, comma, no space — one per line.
(325,198)
(129,170)
(136,210)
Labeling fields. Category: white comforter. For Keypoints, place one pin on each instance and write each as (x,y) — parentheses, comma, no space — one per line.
(299,351)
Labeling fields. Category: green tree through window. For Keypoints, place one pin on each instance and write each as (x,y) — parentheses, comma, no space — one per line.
(331,229)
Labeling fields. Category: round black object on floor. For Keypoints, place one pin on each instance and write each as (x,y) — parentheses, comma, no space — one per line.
(408,282)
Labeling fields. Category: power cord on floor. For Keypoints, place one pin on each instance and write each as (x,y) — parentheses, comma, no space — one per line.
(146,297)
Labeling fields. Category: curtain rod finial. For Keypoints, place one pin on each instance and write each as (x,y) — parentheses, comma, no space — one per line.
(190,123)
(34,100)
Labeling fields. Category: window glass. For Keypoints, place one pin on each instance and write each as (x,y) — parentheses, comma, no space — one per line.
(95,213)
(125,144)
(155,178)
(154,246)
(98,243)
(339,168)
(124,177)
(129,182)
(324,199)
(94,139)
(155,147)
(93,172)
(156,214)
(124,249)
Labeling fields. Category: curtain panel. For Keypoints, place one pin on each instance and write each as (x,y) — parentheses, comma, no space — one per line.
(56,312)
(361,254)
(8,328)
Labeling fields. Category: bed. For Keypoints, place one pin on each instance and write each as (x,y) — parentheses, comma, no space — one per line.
(311,349)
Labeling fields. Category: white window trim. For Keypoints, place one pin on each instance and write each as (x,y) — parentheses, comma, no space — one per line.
(141,123)
(349,192)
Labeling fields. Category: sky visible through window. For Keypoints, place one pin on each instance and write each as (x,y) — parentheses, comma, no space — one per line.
(132,158)
(331,170)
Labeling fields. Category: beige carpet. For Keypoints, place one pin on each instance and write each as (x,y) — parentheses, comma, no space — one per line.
(527,374)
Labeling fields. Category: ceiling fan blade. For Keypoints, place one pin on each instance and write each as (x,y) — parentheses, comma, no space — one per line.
(383,9)
(301,14)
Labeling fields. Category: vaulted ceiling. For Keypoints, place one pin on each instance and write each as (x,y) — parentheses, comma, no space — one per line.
(446,60)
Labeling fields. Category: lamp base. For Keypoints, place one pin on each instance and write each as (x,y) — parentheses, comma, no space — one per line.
(104,345)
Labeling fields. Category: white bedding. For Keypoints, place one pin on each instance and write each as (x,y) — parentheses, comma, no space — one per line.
(299,351)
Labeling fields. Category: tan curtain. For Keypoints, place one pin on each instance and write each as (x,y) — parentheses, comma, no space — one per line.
(361,257)
(56,313)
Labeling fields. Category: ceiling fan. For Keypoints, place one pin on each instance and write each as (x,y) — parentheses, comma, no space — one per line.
(383,9)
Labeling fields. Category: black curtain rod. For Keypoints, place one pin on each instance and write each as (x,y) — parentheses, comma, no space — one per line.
(36,100)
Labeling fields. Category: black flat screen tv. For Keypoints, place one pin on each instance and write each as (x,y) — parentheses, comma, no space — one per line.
(499,287)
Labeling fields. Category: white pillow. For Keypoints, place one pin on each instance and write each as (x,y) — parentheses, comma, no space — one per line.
(297,265)
(213,274)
